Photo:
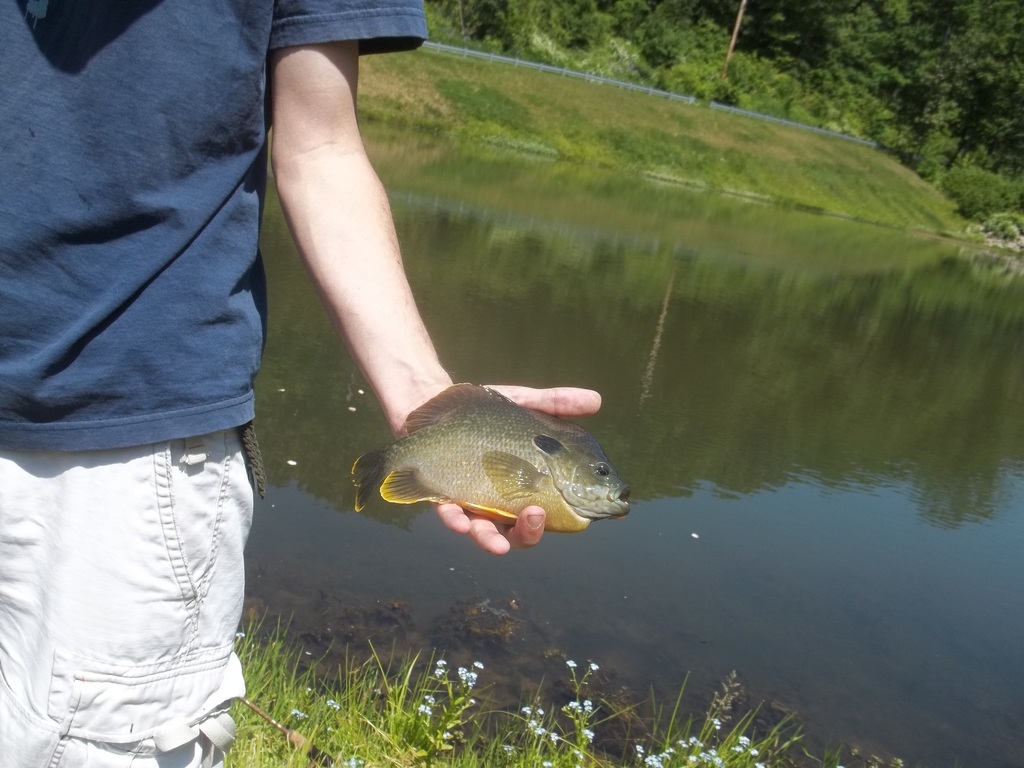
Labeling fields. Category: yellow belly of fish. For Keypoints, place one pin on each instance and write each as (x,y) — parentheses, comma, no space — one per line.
(560,517)
(470,489)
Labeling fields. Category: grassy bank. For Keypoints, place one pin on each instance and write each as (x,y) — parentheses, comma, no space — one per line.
(575,122)
(421,711)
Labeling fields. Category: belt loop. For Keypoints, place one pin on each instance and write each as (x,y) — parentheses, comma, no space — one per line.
(195,452)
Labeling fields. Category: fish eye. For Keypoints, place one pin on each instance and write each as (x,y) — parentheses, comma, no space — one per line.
(603,469)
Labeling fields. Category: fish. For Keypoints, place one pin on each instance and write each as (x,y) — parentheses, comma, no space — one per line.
(472,446)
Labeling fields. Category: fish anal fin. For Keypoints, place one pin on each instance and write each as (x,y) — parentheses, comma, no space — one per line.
(403,486)
(511,476)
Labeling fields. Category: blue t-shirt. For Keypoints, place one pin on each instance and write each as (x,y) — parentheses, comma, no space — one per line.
(132,177)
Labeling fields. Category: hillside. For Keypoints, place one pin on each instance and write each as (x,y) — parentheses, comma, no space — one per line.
(571,121)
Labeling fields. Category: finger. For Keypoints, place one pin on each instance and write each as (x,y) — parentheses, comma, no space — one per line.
(454,517)
(491,536)
(488,536)
(558,401)
(528,529)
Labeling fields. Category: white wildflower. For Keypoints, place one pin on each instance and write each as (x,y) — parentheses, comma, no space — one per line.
(468,678)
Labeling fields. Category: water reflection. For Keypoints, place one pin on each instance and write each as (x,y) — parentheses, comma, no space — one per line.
(802,393)
(738,375)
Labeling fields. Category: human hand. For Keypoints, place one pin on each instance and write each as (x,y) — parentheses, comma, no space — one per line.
(493,537)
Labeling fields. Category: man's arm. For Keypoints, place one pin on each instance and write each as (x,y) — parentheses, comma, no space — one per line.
(339,216)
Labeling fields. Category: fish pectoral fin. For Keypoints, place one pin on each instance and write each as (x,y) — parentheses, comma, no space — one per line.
(512,477)
(403,486)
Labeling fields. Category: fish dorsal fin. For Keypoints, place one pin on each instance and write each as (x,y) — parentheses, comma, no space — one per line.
(403,486)
(512,477)
(441,406)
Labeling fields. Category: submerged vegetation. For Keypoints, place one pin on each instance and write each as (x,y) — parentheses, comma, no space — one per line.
(417,711)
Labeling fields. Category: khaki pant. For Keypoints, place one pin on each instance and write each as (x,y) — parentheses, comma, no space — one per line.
(121,587)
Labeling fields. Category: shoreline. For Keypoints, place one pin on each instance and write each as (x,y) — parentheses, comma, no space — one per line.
(587,124)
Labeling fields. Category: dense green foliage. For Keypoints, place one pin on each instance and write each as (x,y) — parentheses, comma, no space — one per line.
(938,82)
(980,193)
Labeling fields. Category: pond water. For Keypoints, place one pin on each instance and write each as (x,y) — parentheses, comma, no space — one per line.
(821,422)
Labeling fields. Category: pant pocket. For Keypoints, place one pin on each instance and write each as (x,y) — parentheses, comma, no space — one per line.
(130,703)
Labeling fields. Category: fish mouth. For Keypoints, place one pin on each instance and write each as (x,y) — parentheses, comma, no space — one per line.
(614,504)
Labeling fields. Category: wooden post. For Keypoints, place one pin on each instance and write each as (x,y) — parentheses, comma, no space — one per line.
(732,43)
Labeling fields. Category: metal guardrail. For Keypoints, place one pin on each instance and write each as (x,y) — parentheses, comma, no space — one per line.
(791,124)
(470,53)
(557,71)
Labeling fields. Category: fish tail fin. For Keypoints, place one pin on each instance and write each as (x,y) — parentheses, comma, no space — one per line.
(368,473)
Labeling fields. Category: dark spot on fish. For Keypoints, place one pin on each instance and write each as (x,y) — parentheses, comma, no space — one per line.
(548,444)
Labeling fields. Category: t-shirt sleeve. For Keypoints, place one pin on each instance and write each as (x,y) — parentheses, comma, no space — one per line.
(380,26)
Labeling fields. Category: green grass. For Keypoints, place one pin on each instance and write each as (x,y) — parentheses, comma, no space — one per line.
(590,124)
(419,711)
